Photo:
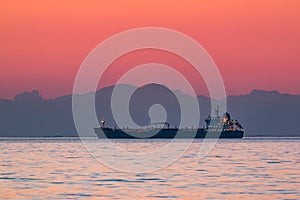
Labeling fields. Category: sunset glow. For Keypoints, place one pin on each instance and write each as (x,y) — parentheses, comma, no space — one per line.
(254,44)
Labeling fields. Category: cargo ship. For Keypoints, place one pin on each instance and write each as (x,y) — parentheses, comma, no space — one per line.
(216,127)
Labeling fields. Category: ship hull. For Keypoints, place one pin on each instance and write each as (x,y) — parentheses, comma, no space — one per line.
(165,134)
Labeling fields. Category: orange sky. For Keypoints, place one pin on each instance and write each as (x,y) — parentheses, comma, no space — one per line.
(254,43)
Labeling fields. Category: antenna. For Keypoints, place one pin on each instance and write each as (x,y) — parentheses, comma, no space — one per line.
(217,111)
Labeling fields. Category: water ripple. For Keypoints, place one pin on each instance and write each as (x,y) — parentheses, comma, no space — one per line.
(62,169)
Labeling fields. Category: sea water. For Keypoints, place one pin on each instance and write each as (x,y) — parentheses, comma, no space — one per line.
(62,168)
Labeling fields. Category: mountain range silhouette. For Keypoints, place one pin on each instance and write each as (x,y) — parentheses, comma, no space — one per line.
(262,113)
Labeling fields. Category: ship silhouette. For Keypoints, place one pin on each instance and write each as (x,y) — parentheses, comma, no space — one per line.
(217,126)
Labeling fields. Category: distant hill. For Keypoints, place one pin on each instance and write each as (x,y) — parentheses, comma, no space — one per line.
(262,113)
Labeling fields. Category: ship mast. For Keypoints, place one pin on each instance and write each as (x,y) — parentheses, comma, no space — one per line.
(217,111)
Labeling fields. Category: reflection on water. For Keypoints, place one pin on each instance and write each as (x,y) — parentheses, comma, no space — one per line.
(62,168)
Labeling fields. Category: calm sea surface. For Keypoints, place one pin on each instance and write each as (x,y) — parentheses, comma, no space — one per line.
(61,168)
